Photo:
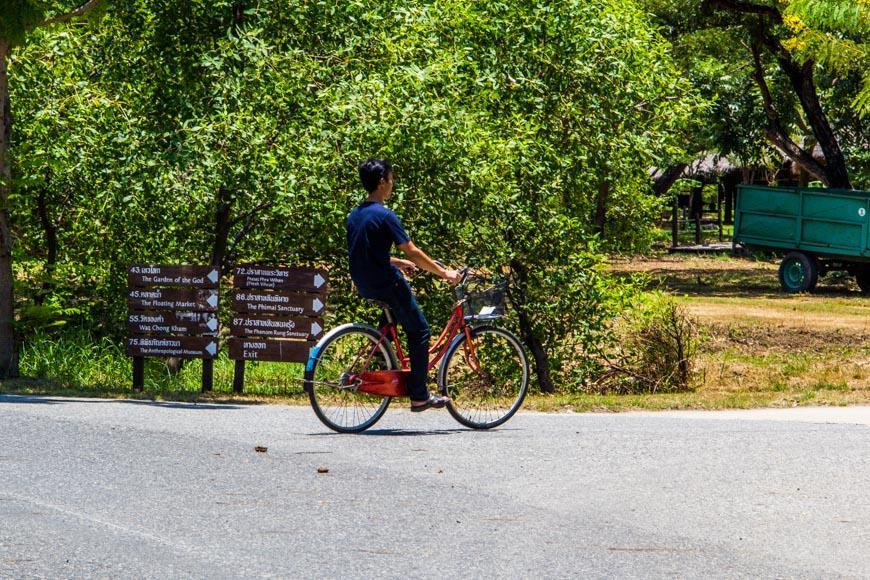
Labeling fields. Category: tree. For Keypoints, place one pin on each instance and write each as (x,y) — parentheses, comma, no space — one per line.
(763,25)
(520,134)
(835,34)
(16,22)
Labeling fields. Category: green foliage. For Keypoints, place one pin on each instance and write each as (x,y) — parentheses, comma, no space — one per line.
(713,48)
(835,33)
(510,126)
(17,17)
(43,316)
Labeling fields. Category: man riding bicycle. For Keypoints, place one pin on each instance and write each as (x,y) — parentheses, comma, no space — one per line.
(372,229)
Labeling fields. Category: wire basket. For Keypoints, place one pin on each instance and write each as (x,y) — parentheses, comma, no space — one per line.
(484,299)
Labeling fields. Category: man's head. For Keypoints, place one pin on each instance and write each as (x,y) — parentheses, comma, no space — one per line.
(377,177)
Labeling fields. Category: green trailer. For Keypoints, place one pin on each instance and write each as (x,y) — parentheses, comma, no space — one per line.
(818,230)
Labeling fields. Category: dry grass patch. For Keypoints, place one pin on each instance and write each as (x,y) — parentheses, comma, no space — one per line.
(762,347)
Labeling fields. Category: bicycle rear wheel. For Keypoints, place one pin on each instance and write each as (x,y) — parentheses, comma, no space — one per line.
(346,351)
(487,379)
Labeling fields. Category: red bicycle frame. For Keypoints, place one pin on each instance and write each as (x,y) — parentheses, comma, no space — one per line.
(392,383)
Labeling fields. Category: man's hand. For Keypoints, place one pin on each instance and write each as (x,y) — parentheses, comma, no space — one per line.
(452,276)
(407,267)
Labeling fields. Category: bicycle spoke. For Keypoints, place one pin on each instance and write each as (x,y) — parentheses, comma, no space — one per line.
(333,395)
(487,379)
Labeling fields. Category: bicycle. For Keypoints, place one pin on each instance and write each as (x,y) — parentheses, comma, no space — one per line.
(355,370)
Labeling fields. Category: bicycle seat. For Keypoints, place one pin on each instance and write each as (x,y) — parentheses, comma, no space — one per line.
(383,306)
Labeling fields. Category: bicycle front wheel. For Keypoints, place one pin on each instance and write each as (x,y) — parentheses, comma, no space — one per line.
(486,378)
(347,351)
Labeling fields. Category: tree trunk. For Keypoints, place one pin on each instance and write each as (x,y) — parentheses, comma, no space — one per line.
(8,351)
(729,182)
(801,78)
(601,206)
(221,228)
(49,227)
(697,204)
(527,334)
(539,354)
(223,210)
(664,182)
(833,173)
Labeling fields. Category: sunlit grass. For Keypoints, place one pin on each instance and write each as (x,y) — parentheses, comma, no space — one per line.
(76,362)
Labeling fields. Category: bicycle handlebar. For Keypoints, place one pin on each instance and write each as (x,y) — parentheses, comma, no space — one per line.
(462,271)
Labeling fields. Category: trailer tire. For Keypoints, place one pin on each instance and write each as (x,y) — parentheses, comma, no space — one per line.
(862,277)
(798,272)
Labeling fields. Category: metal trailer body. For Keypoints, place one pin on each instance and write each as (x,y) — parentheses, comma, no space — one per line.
(819,230)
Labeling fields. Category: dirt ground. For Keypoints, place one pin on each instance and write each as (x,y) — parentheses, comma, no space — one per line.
(724,292)
(810,348)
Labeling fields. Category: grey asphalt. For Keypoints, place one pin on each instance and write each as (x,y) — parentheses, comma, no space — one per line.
(129,489)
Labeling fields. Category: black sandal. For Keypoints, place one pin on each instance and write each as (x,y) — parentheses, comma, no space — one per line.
(433,402)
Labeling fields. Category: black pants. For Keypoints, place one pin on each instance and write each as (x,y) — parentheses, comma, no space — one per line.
(404,306)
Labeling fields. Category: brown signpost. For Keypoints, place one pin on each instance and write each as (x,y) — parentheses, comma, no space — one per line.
(191,276)
(204,347)
(186,323)
(276,326)
(280,302)
(172,314)
(188,299)
(277,315)
(267,349)
(276,278)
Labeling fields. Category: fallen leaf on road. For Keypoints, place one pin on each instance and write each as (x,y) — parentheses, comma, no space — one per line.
(260,449)
(322,470)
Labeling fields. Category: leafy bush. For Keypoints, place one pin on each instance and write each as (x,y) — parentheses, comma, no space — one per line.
(192,132)
(657,350)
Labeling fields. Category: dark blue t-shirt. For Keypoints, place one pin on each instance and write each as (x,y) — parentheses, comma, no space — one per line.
(371,230)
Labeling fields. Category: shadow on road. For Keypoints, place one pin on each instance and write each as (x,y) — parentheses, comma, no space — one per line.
(408,432)
(36,400)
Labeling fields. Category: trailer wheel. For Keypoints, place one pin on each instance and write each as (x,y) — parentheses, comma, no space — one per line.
(862,276)
(798,272)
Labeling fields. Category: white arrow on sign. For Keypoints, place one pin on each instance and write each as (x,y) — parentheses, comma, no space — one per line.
(213,276)
(212,324)
(317,305)
(319,281)
(211,348)
(212,300)
(315,328)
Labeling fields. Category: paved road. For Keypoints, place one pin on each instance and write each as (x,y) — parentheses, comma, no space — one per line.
(93,488)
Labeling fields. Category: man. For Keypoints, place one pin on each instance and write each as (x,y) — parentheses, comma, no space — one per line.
(372,229)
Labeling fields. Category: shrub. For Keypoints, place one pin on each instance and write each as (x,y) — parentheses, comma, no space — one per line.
(657,352)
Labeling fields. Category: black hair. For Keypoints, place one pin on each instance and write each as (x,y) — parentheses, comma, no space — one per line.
(371,171)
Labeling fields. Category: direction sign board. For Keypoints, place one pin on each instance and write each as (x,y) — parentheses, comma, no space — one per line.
(280,278)
(205,347)
(266,349)
(173,275)
(185,323)
(278,303)
(172,299)
(276,326)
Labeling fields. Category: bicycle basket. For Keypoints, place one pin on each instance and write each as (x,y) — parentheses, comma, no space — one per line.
(484,299)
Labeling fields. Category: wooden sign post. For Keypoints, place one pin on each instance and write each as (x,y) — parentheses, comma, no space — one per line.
(277,315)
(172,312)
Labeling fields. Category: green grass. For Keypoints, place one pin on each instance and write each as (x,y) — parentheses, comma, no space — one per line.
(78,364)
(75,364)
(760,348)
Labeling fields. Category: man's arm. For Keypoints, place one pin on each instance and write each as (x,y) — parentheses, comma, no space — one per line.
(421,260)
(406,266)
